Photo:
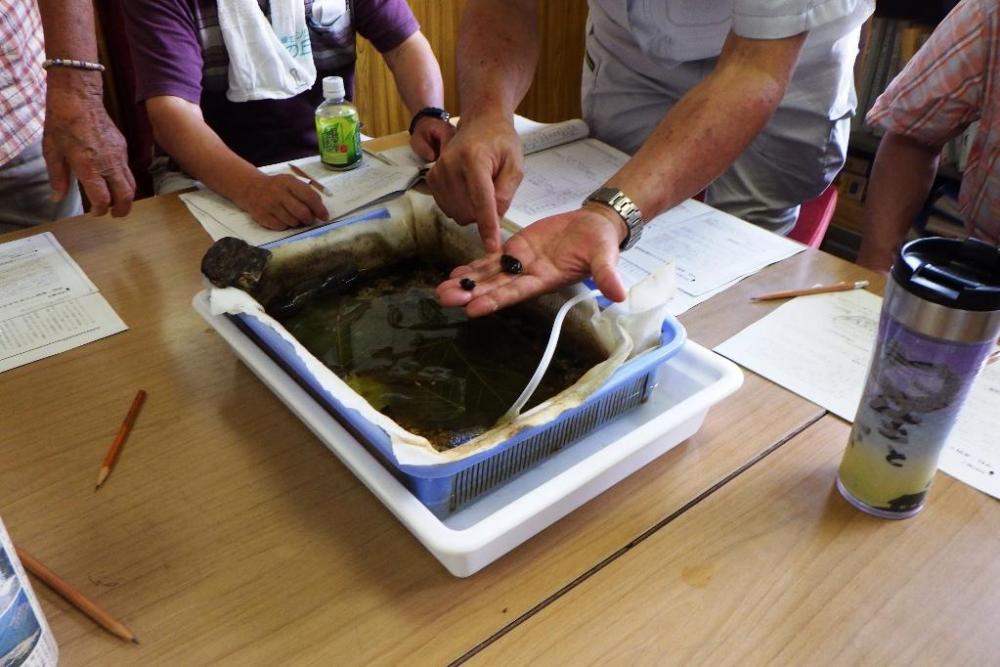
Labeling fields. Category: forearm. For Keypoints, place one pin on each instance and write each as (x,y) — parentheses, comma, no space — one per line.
(901,178)
(178,128)
(69,33)
(416,72)
(711,125)
(497,54)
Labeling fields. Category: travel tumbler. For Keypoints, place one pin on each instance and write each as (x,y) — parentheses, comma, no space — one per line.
(940,320)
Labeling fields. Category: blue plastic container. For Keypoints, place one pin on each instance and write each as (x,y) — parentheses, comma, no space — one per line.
(446,487)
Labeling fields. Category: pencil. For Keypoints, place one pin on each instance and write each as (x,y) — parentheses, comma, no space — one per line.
(116,446)
(69,593)
(994,356)
(312,181)
(845,286)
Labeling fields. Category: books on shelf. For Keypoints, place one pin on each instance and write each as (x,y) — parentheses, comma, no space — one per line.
(887,45)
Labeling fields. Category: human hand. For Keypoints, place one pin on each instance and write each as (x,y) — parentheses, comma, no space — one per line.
(430,136)
(81,140)
(281,201)
(476,175)
(554,252)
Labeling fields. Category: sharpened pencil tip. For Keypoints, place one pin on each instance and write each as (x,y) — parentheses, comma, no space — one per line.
(135,641)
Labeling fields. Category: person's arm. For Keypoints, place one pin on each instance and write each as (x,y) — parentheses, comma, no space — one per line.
(476,175)
(693,144)
(276,202)
(711,125)
(901,179)
(79,137)
(418,79)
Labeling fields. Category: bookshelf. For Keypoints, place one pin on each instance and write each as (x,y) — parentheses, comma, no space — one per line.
(889,40)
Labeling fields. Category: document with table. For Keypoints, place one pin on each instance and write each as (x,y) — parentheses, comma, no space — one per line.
(819,347)
(48,304)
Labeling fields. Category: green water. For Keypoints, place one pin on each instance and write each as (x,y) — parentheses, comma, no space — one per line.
(431,369)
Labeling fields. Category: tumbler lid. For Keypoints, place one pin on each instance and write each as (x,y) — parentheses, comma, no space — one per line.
(956,274)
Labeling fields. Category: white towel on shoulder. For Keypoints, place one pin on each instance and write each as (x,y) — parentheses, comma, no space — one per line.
(266,61)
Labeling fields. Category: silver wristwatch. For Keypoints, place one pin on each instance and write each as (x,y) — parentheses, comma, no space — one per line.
(619,202)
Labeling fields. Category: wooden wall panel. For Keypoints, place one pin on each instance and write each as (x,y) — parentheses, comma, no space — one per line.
(554,94)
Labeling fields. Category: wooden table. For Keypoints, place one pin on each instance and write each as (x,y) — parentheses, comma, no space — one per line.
(229,534)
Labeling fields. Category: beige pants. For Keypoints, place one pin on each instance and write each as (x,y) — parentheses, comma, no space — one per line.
(792,160)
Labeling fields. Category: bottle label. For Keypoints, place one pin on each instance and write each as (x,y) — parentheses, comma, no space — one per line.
(339,141)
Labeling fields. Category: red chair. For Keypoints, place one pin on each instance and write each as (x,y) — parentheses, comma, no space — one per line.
(814,218)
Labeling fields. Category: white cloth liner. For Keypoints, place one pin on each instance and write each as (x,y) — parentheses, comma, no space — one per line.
(640,318)
(261,66)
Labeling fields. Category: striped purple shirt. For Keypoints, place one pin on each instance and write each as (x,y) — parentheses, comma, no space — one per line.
(950,83)
(22,79)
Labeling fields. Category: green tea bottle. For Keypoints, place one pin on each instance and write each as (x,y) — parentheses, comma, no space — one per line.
(338,128)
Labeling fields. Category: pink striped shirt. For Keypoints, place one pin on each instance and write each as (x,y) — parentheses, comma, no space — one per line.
(22,79)
(951,82)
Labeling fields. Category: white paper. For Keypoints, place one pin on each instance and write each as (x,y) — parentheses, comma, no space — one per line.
(47,304)
(973,451)
(819,347)
(816,346)
(352,190)
(558,179)
(25,637)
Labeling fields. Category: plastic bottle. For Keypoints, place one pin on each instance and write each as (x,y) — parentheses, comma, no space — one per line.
(338,128)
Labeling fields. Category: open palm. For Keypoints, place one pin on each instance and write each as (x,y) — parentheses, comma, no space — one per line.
(555,252)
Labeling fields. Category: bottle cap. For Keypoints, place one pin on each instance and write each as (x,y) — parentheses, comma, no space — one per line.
(333,86)
(964,275)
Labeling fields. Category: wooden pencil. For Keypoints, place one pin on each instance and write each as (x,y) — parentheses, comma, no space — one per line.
(123,431)
(312,181)
(70,593)
(844,286)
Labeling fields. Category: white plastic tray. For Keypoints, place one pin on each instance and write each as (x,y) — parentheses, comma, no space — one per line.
(475,536)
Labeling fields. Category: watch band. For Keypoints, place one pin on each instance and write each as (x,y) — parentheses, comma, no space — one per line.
(430,112)
(619,202)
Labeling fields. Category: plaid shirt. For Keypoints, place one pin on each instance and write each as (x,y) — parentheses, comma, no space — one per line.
(22,79)
(952,81)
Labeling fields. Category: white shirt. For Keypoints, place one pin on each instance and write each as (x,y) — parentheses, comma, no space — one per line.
(672,32)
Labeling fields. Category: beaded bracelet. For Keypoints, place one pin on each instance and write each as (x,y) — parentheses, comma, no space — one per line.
(72,64)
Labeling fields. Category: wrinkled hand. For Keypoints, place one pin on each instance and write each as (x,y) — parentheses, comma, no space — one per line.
(281,201)
(555,252)
(476,175)
(81,140)
(430,136)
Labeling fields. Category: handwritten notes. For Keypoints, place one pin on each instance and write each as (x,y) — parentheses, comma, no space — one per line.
(711,249)
(48,304)
(819,347)
(369,184)
(816,346)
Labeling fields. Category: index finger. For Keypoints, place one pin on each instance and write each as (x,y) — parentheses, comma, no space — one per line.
(479,186)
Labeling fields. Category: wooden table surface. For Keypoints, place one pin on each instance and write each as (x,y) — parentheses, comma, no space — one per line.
(229,534)
(776,568)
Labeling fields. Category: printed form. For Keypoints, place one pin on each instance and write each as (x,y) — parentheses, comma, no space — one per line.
(819,347)
(47,303)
